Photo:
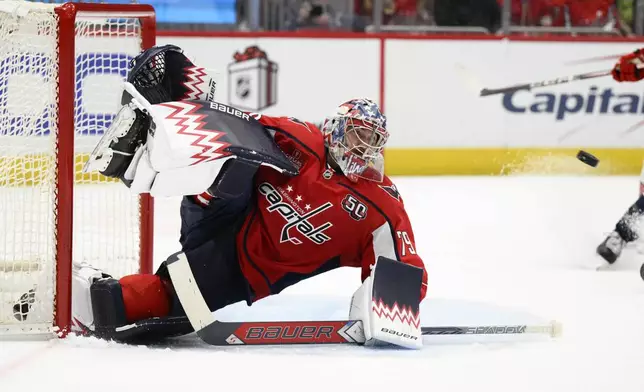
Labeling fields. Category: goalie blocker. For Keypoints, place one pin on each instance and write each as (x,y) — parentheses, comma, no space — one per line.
(389,307)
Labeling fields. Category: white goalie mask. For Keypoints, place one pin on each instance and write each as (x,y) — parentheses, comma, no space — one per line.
(356,135)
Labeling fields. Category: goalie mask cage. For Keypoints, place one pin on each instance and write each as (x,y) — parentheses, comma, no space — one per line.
(61,73)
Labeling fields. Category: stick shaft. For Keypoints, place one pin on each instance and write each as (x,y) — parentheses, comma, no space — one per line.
(545,83)
(553,329)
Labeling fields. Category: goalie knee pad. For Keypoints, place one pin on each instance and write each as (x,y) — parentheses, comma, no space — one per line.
(127,309)
(83,277)
(108,307)
(135,309)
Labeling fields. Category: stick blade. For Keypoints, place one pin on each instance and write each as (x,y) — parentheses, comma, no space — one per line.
(505,90)
(220,334)
(486,91)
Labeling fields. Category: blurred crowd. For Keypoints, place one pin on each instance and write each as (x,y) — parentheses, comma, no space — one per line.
(536,17)
(561,13)
(616,16)
(612,17)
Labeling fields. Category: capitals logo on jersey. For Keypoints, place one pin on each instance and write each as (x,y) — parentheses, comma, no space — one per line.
(295,219)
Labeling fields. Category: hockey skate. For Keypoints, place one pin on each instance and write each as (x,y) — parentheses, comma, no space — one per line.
(22,307)
(611,248)
(83,275)
(116,149)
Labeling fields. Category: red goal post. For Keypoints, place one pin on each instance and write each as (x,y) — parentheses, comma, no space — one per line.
(61,79)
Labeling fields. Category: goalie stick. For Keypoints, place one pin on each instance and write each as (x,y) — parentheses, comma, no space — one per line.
(219,333)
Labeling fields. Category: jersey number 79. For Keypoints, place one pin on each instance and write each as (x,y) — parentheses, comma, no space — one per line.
(407,246)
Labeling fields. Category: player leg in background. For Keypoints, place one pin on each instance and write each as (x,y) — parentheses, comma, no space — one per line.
(626,230)
(145,308)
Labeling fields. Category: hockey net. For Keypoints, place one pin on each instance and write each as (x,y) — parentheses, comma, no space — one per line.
(61,74)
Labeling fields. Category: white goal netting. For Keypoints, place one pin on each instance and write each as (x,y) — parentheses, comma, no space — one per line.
(106,216)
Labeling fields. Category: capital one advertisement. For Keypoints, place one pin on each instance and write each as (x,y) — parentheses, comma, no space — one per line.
(431,87)
(433,93)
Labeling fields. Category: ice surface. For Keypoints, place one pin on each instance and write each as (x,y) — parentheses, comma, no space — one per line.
(502,249)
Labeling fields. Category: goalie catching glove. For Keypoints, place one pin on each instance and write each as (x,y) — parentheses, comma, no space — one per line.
(159,74)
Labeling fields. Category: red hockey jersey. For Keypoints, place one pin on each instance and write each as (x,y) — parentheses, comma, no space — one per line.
(318,220)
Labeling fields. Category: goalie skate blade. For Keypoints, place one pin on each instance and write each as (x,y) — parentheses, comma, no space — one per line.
(101,156)
(605,267)
(602,265)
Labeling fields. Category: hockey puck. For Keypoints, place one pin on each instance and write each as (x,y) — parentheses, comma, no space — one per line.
(587,158)
(642,271)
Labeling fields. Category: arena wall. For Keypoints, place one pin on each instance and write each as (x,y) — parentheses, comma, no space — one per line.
(429,89)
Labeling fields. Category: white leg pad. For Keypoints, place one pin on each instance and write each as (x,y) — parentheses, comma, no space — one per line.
(83,275)
(191,180)
(361,307)
(141,172)
(178,159)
